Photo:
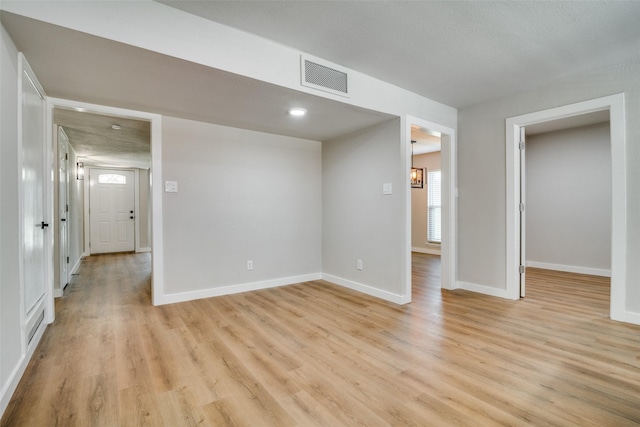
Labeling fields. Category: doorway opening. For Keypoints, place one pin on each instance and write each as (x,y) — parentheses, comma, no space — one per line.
(516,271)
(432,220)
(96,139)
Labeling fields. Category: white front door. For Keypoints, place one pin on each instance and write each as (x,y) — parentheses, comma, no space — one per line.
(111,210)
(34,225)
(63,207)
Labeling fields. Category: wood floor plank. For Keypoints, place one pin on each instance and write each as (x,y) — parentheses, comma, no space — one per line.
(316,354)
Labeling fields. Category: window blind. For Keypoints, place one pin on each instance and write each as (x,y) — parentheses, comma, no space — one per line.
(434,204)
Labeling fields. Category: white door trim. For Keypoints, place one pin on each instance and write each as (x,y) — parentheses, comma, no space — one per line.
(62,237)
(448,247)
(157,266)
(615,105)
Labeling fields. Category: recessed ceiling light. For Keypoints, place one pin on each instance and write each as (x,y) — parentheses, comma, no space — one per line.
(298,112)
(116,126)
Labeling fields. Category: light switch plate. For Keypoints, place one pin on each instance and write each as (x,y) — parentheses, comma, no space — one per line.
(387,188)
(171,186)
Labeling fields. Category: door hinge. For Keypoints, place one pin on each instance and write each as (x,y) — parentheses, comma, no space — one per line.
(66,209)
(521,145)
(522,269)
(67,260)
(521,207)
(66,156)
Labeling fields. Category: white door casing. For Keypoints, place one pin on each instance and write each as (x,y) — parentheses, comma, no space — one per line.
(523,223)
(111,210)
(63,207)
(615,105)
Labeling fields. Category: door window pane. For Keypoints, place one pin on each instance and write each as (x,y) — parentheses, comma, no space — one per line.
(112,178)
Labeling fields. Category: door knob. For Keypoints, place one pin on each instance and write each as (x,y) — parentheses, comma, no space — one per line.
(44,225)
(131,217)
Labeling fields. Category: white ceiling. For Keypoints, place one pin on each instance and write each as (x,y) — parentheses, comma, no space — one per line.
(456,52)
(81,67)
(426,141)
(569,122)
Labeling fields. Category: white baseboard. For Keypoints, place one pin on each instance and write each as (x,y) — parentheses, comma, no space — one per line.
(10,386)
(236,289)
(142,250)
(57,293)
(482,289)
(365,289)
(628,317)
(570,268)
(430,251)
(75,268)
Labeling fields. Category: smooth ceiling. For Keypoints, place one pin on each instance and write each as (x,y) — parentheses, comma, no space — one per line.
(81,67)
(569,122)
(426,141)
(459,53)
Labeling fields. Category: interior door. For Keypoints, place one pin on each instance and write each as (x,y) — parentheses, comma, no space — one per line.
(111,210)
(63,206)
(34,222)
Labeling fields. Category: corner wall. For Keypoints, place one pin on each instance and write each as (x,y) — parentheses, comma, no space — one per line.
(359,222)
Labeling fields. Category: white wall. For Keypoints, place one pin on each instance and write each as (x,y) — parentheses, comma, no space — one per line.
(359,222)
(242,196)
(10,322)
(429,161)
(76,211)
(568,200)
(482,172)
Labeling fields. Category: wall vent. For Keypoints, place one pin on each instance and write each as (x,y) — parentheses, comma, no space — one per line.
(325,77)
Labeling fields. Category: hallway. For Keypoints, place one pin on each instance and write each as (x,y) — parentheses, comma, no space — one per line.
(319,354)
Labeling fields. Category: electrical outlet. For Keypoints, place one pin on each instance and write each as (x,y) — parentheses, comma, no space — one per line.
(359,265)
(249,265)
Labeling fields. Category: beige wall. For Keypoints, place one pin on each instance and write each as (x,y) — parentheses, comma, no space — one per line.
(429,161)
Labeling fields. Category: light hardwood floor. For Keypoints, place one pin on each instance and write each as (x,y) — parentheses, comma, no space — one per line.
(318,354)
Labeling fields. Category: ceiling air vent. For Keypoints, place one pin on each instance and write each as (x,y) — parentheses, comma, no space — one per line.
(325,77)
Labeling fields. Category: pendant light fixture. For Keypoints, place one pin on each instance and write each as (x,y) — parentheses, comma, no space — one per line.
(416,173)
